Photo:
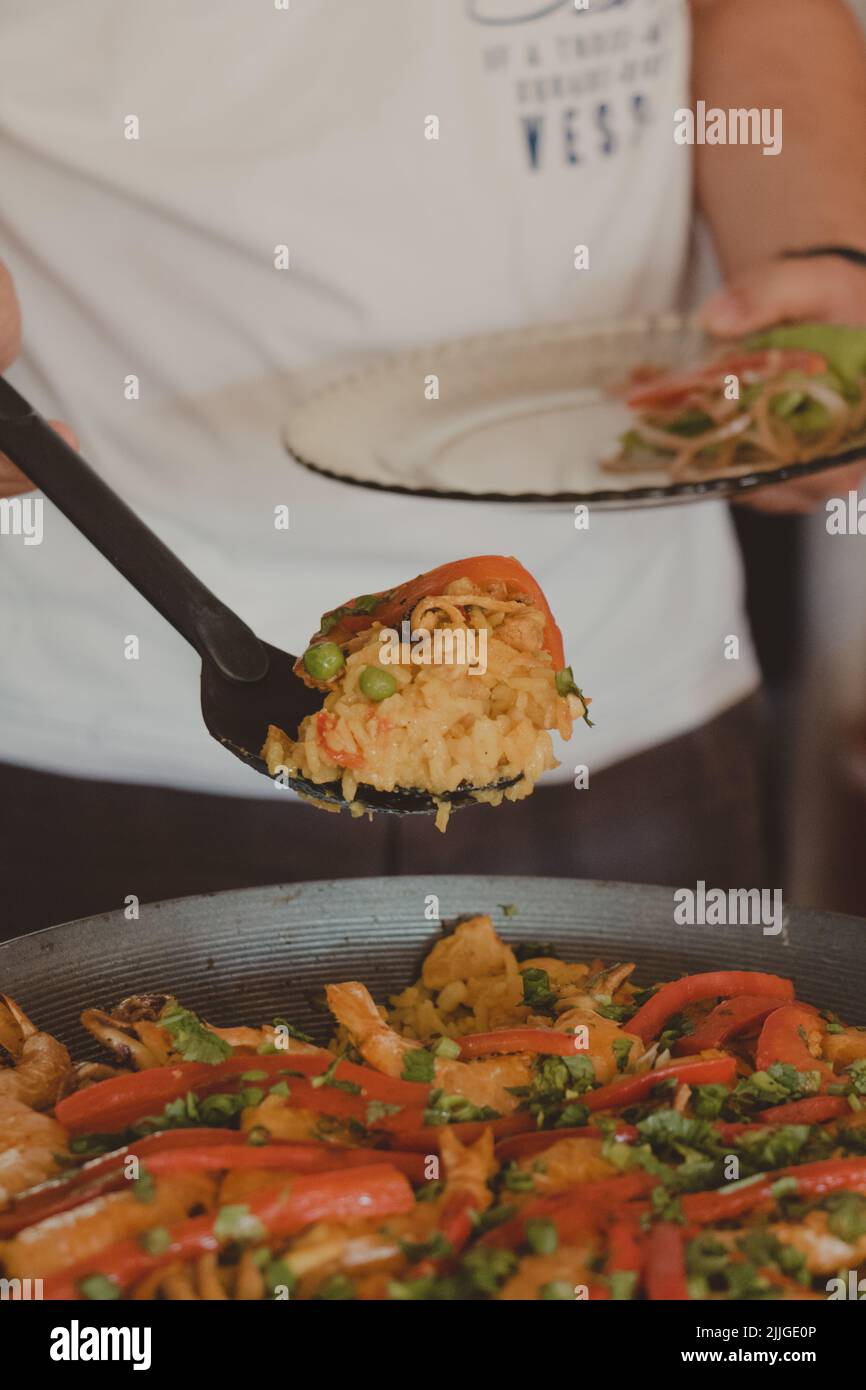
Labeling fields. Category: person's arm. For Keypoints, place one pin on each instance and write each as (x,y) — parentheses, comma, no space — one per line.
(808,58)
(11,480)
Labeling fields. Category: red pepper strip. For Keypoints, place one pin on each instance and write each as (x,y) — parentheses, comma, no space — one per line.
(811,1111)
(649,1020)
(581,1209)
(455,1222)
(330,1100)
(395,604)
(634,1088)
(521,1145)
(727,1132)
(112,1105)
(374,1084)
(665,390)
(665,1263)
(295,1158)
(727,1019)
(782,1040)
(596,1209)
(624,1253)
(342,1196)
(96,1177)
(409,1130)
(541,1040)
(812,1180)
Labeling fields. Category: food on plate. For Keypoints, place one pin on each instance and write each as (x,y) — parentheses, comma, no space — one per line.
(786,396)
(512,1126)
(448,682)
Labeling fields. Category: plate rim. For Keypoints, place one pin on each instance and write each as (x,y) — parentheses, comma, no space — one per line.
(719,488)
(812,915)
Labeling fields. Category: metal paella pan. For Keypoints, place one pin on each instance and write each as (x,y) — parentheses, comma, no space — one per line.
(245,956)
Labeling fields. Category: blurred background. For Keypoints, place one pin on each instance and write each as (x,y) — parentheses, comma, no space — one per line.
(807,603)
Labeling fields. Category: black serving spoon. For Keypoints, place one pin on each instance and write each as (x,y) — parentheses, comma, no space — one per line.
(246,684)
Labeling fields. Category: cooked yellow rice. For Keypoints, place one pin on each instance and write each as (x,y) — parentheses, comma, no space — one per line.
(471,983)
(443,726)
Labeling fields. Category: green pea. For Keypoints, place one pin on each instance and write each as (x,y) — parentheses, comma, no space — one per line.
(99,1287)
(541,1236)
(557,1291)
(324,661)
(377,684)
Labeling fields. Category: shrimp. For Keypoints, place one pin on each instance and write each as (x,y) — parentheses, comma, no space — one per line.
(484,1082)
(841,1049)
(561,974)
(41,1068)
(133,1031)
(284,1123)
(824,1252)
(62,1240)
(602,1034)
(30,1146)
(566,1163)
(473,951)
(468,1166)
(569,1266)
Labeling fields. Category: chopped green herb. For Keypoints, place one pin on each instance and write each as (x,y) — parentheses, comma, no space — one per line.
(144,1188)
(290,1031)
(536,990)
(418,1065)
(329,1078)
(278,1276)
(535,950)
(192,1039)
(847,1216)
(379,1109)
(99,1288)
(238,1223)
(541,1236)
(155,1241)
(557,1291)
(622,1284)
(435,1247)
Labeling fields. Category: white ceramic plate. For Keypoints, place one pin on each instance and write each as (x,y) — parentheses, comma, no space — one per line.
(525,416)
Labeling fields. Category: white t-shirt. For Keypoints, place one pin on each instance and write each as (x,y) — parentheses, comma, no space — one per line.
(154,257)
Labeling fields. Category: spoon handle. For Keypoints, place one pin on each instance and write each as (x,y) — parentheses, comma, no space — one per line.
(140,556)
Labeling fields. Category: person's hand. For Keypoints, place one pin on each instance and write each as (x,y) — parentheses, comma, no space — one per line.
(826,289)
(12,481)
